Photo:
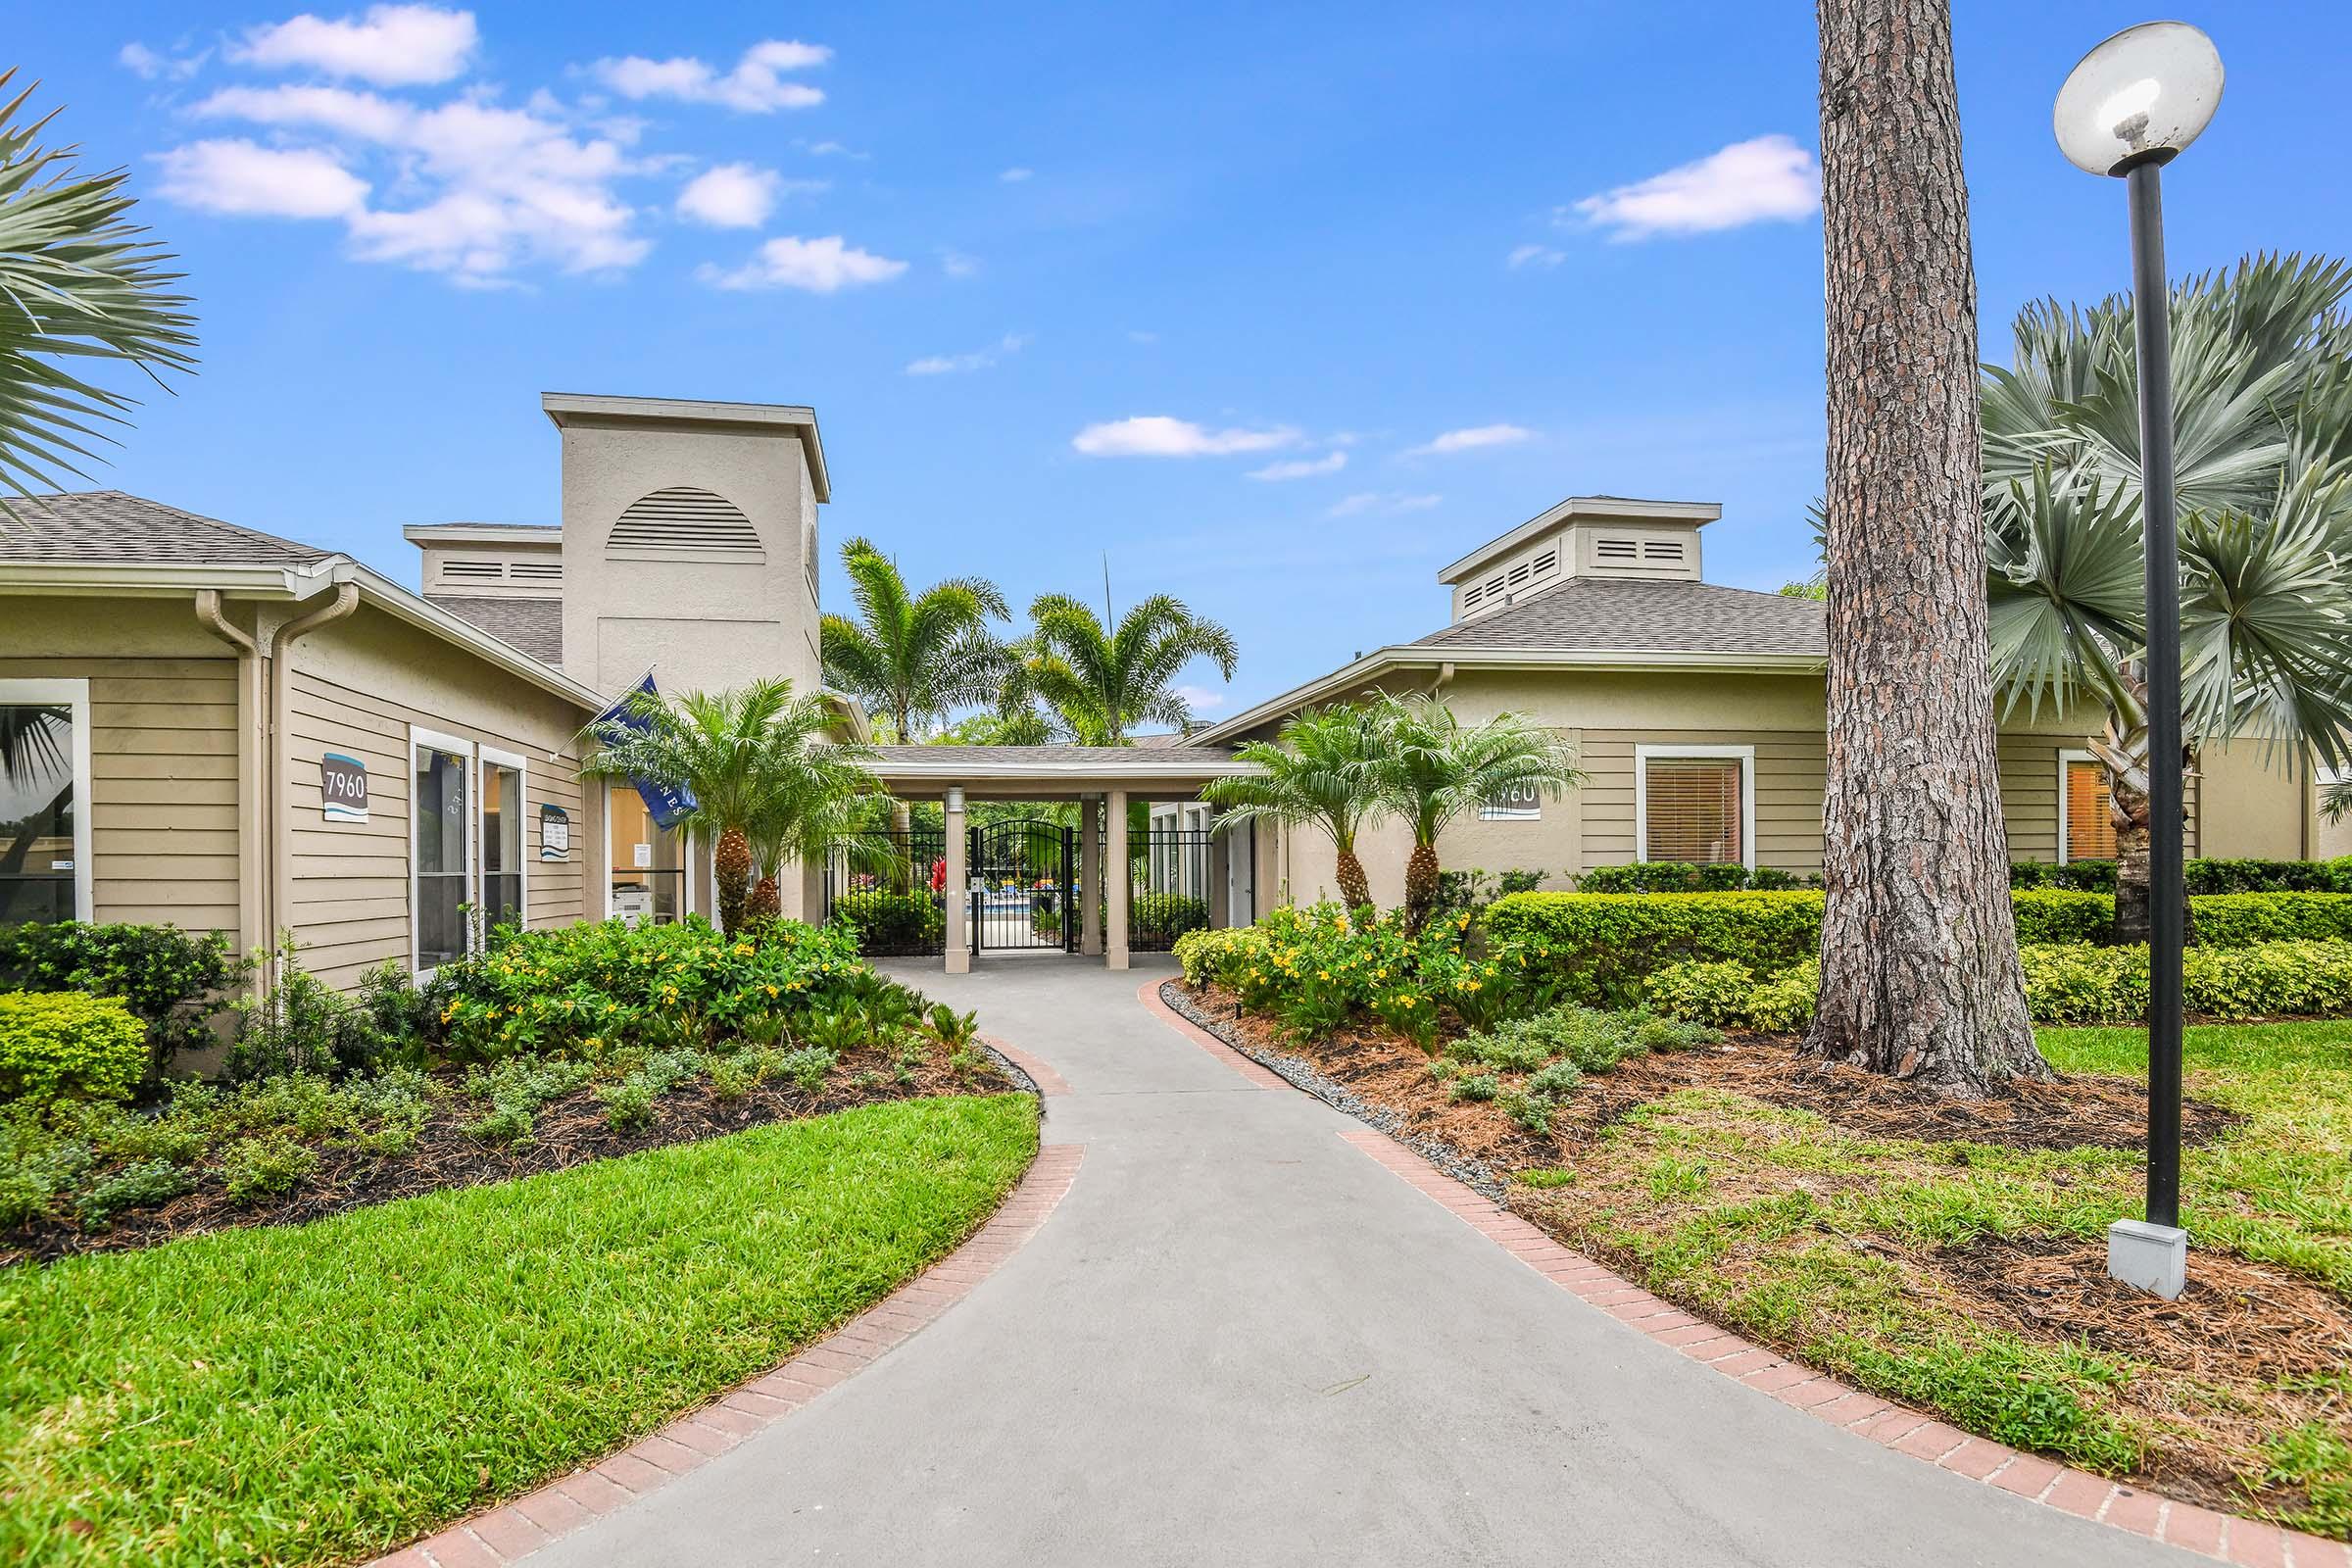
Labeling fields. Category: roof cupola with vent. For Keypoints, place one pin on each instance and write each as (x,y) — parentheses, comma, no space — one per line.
(1583,536)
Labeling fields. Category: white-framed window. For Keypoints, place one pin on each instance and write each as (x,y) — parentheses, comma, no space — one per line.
(440,847)
(44,800)
(646,880)
(502,779)
(1696,804)
(2085,825)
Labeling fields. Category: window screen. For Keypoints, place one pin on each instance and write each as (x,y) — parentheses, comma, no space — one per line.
(2089,826)
(440,812)
(1693,810)
(501,846)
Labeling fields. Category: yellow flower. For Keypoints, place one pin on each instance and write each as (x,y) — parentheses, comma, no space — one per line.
(771,990)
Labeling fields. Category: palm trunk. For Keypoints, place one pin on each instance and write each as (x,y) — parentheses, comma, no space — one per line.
(1420,886)
(731,866)
(766,902)
(1918,967)
(1355,889)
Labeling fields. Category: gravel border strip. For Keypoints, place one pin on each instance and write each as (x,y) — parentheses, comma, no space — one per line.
(1303,1075)
(1009,1068)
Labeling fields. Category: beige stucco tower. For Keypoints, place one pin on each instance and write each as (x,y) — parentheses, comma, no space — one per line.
(690,541)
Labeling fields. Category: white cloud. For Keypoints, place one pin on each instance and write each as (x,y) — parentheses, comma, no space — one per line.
(239,179)
(1472,439)
(820,265)
(153,66)
(977,360)
(1014,176)
(1200,697)
(1365,500)
(1767,179)
(485,188)
(730,196)
(756,87)
(829,149)
(390,45)
(1303,467)
(956,264)
(1535,256)
(1157,435)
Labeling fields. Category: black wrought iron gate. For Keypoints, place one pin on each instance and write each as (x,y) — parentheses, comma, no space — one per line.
(1023,889)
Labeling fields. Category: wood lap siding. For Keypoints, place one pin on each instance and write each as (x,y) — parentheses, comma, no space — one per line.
(1789,771)
(351,879)
(164,787)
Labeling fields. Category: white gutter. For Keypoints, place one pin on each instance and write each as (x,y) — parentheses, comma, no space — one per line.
(948,769)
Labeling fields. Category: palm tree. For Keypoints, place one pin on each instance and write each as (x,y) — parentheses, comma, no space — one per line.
(1098,683)
(76,281)
(1322,769)
(2262,395)
(1434,768)
(756,761)
(914,659)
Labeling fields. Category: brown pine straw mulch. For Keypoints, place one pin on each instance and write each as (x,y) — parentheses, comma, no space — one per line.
(571,1131)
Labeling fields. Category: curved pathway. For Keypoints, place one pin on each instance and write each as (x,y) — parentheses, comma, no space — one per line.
(1239,1339)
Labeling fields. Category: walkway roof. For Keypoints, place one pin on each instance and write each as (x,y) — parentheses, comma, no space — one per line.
(1160,773)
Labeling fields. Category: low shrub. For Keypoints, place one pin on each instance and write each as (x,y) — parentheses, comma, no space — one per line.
(2242,919)
(305,1026)
(173,981)
(149,1184)
(69,1045)
(1682,876)
(1479,1086)
(892,922)
(2081,876)
(1785,1003)
(1702,993)
(2204,876)
(268,1166)
(1603,944)
(1166,916)
(2057,914)
(1466,892)
(628,1102)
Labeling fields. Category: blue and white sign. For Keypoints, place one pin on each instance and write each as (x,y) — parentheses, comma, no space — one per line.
(668,806)
(343,788)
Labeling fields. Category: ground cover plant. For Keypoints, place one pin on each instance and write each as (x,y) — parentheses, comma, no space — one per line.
(1947,1254)
(316,1393)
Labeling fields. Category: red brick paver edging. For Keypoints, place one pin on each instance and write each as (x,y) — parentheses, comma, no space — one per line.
(1258,1074)
(516,1528)
(2227,1538)
(1050,1084)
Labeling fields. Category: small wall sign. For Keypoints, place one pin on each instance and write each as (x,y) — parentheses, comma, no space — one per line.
(1514,802)
(555,833)
(343,788)
(641,856)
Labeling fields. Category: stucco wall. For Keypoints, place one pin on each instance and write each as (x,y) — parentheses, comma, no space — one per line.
(163,749)
(358,687)
(703,620)
(2255,803)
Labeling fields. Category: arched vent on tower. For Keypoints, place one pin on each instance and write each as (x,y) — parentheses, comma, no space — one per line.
(683,518)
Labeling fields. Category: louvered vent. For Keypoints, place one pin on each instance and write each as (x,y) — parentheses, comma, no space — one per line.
(1662,550)
(477,571)
(536,570)
(1472,596)
(1616,549)
(1545,562)
(683,518)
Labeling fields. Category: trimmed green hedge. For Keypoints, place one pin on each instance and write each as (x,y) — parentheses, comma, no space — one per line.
(1607,942)
(68,1043)
(1682,876)
(2065,983)
(2202,876)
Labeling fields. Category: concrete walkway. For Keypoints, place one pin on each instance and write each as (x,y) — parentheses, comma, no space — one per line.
(1240,1341)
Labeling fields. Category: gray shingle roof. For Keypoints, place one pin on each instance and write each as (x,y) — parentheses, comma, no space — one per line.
(534,625)
(1633,614)
(107,525)
(983,755)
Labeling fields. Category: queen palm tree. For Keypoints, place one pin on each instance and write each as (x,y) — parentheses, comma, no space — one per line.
(2262,395)
(1098,683)
(76,283)
(756,761)
(1433,770)
(1322,769)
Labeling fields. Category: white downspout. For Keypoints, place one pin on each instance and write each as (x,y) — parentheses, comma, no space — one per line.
(280,863)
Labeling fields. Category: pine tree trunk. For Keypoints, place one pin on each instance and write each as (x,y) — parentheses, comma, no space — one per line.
(1920,973)
(1420,886)
(731,868)
(1355,889)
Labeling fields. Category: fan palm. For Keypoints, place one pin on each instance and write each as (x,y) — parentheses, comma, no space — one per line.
(2263,413)
(1098,683)
(76,282)
(1322,769)
(1434,768)
(756,760)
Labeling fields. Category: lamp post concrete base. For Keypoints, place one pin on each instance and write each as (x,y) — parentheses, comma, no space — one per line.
(2148,1257)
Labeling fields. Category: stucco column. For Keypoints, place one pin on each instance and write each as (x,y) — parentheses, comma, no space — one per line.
(956,895)
(1116,882)
(1090,875)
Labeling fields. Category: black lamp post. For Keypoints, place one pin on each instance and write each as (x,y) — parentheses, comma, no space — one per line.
(2127,109)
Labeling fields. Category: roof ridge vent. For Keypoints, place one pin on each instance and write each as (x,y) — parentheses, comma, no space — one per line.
(684,518)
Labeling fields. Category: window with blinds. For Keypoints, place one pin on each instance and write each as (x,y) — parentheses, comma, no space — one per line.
(2089,824)
(1691,809)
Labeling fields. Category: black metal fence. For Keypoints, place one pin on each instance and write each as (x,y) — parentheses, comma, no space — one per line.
(1169,887)
(893,888)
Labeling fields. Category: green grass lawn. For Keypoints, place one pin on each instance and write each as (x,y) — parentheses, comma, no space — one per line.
(321,1393)
(1851,1251)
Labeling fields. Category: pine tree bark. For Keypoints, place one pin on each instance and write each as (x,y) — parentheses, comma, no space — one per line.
(1918,968)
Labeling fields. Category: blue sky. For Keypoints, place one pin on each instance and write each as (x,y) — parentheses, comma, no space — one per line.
(1281,307)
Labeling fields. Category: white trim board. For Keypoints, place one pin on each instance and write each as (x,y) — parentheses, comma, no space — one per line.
(1642,754)
(75,695)
(421,739)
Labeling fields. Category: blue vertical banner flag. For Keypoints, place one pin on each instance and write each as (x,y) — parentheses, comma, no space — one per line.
(669,805)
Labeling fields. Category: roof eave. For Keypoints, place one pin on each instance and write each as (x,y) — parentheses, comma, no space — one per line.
(798,419)
(146,579)
(396,601)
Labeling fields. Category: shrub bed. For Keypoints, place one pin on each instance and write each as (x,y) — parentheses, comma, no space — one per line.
(2202,876)
(173,981)
(892,922)
(69,1045)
